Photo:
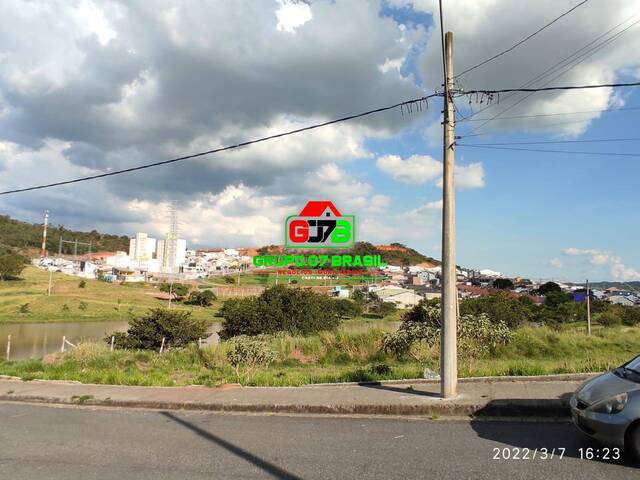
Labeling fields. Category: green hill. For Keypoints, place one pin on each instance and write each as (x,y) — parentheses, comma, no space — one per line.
(24,237)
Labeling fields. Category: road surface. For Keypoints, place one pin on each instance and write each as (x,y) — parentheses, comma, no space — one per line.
(48,442)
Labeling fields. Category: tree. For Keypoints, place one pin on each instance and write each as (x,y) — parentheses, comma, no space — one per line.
(202,298)
(277,309)
(146,332)
(10,266)
(503,283)
(178,290)
(82,284)
(548,287)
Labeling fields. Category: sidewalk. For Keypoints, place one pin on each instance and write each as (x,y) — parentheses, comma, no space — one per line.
(497,396)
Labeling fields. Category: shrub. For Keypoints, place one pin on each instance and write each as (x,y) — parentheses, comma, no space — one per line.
(500,307)
(11,266)
(203,298)
(608,319)
(24,308)
(631,315)
(246,354)
(478,335)
(229,280)
(83,305)
(146,332)
(278,308)
(82,284)
(347,308)
(65,308)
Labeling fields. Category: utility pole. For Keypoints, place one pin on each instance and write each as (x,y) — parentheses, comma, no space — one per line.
(448,340)
(588,310)
(43,253)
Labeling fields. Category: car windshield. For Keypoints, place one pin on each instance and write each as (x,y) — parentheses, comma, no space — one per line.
(633,364)
(630,369)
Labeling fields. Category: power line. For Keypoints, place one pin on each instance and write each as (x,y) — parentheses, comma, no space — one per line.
(536,115)
(522,41)
(408,103)
(561,64)
(573,152)
(632,139)
(548,89)
(541,127)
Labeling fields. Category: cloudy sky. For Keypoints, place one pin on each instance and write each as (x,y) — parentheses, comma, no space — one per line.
(91,86)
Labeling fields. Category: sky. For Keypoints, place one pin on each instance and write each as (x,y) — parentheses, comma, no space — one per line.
(90,86)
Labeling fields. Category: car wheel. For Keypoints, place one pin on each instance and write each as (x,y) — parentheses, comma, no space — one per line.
(632,441)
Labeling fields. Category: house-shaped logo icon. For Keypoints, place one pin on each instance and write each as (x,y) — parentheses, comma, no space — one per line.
(320,225)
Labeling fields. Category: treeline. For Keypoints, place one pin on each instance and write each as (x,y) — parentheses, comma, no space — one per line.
(20,236)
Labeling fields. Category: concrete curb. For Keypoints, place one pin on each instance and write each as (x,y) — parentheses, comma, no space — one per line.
(552,408)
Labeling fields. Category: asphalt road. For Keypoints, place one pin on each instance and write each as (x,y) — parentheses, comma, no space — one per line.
(47,442)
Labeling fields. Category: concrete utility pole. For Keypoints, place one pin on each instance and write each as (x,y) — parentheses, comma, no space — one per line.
(588,310)
(43,253)
(448,340)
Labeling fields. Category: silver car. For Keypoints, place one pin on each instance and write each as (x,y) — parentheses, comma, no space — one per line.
(607,407)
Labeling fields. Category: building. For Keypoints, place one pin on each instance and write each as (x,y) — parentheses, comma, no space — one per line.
(142,247)
(171,254)
(402,297)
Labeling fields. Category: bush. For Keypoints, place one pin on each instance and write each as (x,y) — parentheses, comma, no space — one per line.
(10,266)
(203,298)
(146,332)
(65,308)
(347,308)
(82,284)
(501,307)
(83,305)
(24,308)
(278,309)
(631,315)
(247,354)
(229,280)
(608,319)
(478,335)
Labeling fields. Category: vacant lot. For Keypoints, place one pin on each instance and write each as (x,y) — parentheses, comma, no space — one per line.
(26,300)
(344,355)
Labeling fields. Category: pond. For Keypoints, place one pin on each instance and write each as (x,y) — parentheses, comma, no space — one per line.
(35,340)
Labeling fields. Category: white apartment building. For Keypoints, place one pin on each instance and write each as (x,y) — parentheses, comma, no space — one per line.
(142,247)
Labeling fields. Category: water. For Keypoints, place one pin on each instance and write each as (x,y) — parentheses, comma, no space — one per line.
(35,340)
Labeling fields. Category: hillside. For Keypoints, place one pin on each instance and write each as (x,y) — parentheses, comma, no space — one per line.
(27,237)
(96,302)
(393,254)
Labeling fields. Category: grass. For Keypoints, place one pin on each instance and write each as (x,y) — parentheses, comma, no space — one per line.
(340,356)
(98,301)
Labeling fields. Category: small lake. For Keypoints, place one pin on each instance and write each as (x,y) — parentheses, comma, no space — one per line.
(35,340)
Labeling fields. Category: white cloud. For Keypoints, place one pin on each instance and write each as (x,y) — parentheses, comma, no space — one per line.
(419,169)
(555,262)
(604,259)
(415,169)
(292,15)
(484,27)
